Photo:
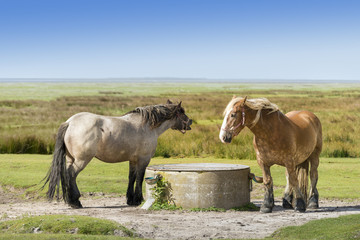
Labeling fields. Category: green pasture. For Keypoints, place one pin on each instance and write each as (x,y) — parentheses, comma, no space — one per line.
(338,177)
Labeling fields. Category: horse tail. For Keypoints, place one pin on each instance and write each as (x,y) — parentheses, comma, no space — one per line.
(302,171)
(57,173)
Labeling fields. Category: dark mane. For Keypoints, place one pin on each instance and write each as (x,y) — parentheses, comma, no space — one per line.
(155,115)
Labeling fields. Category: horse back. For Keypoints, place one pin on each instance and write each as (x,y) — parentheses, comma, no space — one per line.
(307,126)
(110,139)
(304,119)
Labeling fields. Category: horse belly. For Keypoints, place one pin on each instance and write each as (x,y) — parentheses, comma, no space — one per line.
(270,154)
(112,150)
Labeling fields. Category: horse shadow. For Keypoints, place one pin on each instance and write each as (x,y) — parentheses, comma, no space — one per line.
(351,207)
(109,207)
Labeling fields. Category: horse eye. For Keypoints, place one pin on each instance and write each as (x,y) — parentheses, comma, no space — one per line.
(233,115)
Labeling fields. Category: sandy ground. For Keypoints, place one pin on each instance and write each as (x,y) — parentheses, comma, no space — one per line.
(177,224)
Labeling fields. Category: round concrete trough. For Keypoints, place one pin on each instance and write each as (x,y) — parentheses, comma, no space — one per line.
(204,185)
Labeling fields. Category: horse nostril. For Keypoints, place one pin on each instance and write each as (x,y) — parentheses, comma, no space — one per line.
(227,139)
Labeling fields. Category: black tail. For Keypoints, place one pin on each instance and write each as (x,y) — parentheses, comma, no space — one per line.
(57,172)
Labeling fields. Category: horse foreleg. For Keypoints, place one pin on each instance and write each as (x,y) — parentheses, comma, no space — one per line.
(140,172)
(314,195)
(288,194)
(138,197)
(268,202)
(294,184)
(130,189)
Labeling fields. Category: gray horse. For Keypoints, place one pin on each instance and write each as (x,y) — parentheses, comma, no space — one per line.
(131,137)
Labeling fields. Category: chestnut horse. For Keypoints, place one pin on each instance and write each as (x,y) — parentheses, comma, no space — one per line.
(131,137)
(292,140)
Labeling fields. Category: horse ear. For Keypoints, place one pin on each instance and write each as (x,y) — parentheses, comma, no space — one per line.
(243,104)
(179,105)
(168,101)
(234,96)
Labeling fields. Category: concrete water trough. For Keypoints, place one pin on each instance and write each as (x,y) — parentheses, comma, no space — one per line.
(203,185)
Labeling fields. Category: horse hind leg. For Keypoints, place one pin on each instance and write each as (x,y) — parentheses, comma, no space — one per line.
(313,202)
(288,194)
(74,167)
(299,199)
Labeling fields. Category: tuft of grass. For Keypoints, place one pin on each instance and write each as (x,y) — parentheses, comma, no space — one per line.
(31,236)
(26,144)
(247,207)
(53,224)
(209,209)
(344,227)
(164,206)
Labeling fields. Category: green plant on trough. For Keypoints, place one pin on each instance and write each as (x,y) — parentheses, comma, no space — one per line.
(161,192)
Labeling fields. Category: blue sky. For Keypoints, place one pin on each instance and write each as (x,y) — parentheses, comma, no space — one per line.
(169,38)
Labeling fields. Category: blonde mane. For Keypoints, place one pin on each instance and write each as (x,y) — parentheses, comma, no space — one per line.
(255,104)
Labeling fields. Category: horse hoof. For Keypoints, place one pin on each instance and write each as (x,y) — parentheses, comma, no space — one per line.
(133,203)
(76,205)
(286,204)
(300,210)
(313,205)
(264,209)
(300,205)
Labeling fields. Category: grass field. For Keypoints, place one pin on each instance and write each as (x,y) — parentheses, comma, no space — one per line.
(30,113)
(338,177)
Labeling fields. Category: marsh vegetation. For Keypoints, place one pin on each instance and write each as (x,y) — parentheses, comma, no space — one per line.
(29,126)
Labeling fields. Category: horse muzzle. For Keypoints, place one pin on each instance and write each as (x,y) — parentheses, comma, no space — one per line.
(225,137)
(188,124)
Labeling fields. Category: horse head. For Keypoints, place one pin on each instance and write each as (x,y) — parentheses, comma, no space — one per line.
(182,121)
(234,119)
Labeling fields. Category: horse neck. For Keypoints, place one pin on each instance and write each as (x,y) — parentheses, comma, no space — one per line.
(267,124)
(163,127)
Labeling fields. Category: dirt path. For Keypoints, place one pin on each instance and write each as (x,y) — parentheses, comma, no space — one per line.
(178,224)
